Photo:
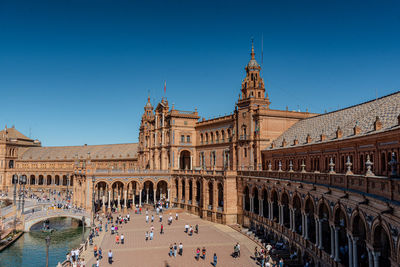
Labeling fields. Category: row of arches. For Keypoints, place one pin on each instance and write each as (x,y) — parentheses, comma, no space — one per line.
(215,137)
(52,180)
(206,194)
(349,238)
(118,194)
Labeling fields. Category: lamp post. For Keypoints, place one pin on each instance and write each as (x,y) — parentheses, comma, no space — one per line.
(22,182)
(47,249)
(15,182)
(67,185)
(83,228)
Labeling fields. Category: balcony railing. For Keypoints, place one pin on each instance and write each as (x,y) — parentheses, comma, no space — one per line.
(374,185)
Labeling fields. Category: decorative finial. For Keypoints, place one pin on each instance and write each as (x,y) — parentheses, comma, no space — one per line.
(252,48)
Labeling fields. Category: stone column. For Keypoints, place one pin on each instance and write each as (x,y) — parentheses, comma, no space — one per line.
(376,255)
(252,204)
(350,244)
(125,197)
(303,225)
(194,192)
(244,202)
(147,196)
(119,201)
(370,258)
(133,197)
(306,226)
(104,203)
(320,234)
(109,199)
(169,198)
(281,214)
(316,232)
(337,244)
(271,211)
(291,219)
(154,195)
(355,252)
(260,207)
(187,190)
(294,219)
(332,241)
(140,197)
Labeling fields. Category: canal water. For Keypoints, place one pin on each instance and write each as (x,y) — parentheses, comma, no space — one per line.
(30,248)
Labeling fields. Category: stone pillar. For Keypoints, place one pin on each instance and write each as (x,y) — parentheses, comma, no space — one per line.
(244,202)
(332,241)
(350,244)
(154,195)
(125,197)
(251,204)
(355,252)
(294,219)
(104,203)
(187,190)
(260,207)
(109,199)
(133,197)
(320,234)
(306,226)
(376,255)
(370,258)
(191,162)
(169,198)
(271,211)
(281,214)
(140,197)
(303,225)
(119,201)
(337,244)
(316,232)
(194,192)
(291,219)
(147,196)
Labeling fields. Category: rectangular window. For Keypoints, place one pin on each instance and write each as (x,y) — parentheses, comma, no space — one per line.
(188,139)
(182,139)
(245,152)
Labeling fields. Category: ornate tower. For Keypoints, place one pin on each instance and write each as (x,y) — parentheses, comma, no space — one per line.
(145,139)
(253,85)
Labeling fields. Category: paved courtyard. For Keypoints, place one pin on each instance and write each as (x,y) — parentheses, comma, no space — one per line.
(136,251)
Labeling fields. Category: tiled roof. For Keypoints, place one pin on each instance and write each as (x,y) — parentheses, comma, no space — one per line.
(12,133)
(68,152)
(363,115)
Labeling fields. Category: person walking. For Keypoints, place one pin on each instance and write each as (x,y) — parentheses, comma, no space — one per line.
(100,253)
(110,257)
(238,249)
(162,229)
(117,239)
(197,228)
(197,254)
(160,217)
(176,216)
(180,249)
(170,250)
(146,236)
(203,252)
(175,249)
(152,218)
(122,239)
(186,228)
(215,260)
(147,218)
(151,235)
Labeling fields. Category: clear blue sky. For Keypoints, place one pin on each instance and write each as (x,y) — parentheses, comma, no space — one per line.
(75,72)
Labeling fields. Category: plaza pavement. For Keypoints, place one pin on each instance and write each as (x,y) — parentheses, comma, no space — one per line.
(137,252)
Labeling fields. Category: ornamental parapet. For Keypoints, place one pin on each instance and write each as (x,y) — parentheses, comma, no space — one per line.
(388,188)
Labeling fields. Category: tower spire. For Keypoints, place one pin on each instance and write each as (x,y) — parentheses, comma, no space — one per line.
(252,49)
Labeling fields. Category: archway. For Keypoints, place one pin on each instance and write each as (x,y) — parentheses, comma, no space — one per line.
(185,160)
(57,180)
(256,202)
(41,180)
(360,233)
(220,197)
(275,207)
(297,214)
(382,245)
(117,189)
(183,190)
(64,180)
(176,189)
(210,195)
(265,203)
(310,210)
(198,194)
(162,191)
(33,180)
(148,192)
(323,216)
(48,180)
(341,224)
(100,195)
(133,196)
(246,199)
(286,210)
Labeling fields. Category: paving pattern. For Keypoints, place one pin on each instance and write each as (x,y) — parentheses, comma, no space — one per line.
(136,251)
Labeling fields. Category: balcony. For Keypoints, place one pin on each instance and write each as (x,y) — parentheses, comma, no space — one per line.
(244,137)
(375,185)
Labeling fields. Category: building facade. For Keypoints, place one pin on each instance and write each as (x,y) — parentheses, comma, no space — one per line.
(321,182)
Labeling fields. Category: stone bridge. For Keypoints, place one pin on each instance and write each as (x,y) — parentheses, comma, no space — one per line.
(32,219)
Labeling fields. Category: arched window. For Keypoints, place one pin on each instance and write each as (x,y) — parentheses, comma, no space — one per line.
(201,138)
